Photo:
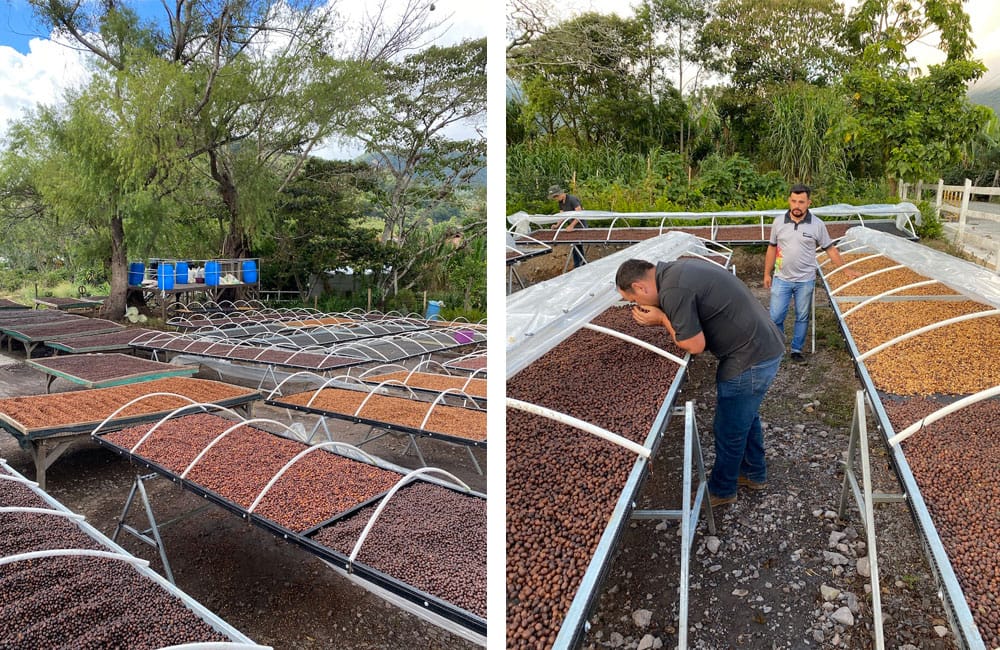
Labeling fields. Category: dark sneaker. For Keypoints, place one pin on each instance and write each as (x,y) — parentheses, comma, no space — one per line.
(797,357)
(716,501)
(743,481)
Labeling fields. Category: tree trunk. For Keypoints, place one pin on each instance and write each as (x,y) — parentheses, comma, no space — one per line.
(235,243)
(114,304)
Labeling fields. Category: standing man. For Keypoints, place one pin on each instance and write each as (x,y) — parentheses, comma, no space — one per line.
(569,203)
(705,307)
(791,257)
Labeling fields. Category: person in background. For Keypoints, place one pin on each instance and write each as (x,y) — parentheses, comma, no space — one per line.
(790,264)
(703,306)
(569,203)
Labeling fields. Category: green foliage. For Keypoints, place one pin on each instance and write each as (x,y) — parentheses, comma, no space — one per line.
(789,41)
(881,30)
(734,182)
(593,174)
(466,271)
(317,225)
(830,101)
(427,92)
(590,81)
(11,280)
(930,226)
(52,279)
(910,128)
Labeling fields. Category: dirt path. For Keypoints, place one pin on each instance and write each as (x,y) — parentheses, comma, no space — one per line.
(783,570)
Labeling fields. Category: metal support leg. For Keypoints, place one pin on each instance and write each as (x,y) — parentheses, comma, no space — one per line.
(813,316)
(143,535)
(268,372)
(866,504)
(474,461)
(320,422)
(688,514)
(416,447)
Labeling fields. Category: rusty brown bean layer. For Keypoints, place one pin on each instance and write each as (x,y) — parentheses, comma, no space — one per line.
(562,484)
(956,462)
(238,467)
(83,603)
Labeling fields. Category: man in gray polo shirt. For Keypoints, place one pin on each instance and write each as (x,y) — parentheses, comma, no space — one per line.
(703,306)
(791,257)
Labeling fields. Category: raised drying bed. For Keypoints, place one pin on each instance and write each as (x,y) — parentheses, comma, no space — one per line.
(567,491)
(38,416)
(32,335)
(450,423)
(103,370)
(76,599)
(923,330)
(436,553)
(106,342)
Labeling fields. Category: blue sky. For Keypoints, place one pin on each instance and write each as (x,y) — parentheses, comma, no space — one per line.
(16,28)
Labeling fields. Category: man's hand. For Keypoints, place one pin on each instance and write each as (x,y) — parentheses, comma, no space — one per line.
(646,315)
(851,273)
(767,280)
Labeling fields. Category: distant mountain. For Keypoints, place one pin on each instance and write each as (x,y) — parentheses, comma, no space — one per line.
(986,91)
(478,180)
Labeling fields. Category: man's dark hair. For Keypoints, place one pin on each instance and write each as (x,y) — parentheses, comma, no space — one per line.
(799,188)
(631,271)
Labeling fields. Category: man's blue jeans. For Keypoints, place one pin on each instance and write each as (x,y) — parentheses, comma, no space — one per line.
(739,440)
(782,292)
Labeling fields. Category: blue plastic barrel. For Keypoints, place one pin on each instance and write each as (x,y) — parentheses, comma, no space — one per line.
(165,277)
(212,273)
(136,272)
(249,271)
(182,273)
(433,310)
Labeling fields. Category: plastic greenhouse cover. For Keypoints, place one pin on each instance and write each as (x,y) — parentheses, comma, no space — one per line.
(544,314)
(967,278)
(901,211)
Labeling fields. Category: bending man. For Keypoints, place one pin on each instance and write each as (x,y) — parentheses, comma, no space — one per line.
(705,307)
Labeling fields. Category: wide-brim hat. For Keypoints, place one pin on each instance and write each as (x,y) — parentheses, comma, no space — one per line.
(555,191)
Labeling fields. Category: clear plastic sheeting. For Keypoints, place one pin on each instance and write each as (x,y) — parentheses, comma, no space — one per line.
(972,280)
(521,222)
(542,315)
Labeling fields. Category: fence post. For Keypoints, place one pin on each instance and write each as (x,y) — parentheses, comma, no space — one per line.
(920,189)
(902,190)
(966,194)
(940,198)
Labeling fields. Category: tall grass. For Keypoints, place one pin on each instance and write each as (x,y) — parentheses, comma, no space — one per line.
(534,166)
(610,178)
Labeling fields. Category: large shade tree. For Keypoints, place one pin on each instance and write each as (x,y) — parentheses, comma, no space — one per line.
(414,138)
(584,81)
(230,97)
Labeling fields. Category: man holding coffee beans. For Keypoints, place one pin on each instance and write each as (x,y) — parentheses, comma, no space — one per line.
(703,306)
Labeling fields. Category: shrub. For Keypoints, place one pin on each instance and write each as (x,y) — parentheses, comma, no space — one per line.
(930,226)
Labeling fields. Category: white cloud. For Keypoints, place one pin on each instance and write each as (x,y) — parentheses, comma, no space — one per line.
(38,77)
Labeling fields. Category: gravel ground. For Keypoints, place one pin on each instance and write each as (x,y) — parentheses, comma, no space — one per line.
(783,571)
